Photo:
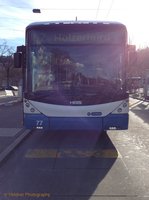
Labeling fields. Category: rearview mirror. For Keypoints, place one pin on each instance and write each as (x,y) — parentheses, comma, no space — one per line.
(17,60)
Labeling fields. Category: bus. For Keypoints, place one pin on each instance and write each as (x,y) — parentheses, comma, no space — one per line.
(74,75)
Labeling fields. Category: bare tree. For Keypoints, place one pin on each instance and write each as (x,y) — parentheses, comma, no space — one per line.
(6,61)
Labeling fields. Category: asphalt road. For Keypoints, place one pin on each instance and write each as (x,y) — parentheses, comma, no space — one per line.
(81,165)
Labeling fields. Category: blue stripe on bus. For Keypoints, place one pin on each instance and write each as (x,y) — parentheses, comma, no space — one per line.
(112,121)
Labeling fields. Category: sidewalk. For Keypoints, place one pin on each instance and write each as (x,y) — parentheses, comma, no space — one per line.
(10,137)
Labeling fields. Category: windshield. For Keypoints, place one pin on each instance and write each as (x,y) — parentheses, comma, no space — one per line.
(76,74)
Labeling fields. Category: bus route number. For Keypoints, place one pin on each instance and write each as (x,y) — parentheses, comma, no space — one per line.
(39,123)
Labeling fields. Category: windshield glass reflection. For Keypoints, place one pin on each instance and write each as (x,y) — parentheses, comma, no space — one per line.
(65,74)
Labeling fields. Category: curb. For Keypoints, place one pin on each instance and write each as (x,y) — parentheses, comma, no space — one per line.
(23,133)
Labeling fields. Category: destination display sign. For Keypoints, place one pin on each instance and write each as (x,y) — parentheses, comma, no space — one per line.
(39,37)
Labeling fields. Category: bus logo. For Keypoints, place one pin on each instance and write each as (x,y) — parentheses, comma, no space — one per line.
(94,114)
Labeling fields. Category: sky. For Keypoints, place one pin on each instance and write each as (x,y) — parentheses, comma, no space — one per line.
(15,15)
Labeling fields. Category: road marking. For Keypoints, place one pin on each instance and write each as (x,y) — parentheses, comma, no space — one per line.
(41,153)
(133,104)
(72,153)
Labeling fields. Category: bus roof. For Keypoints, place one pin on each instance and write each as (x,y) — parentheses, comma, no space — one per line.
(47,23)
